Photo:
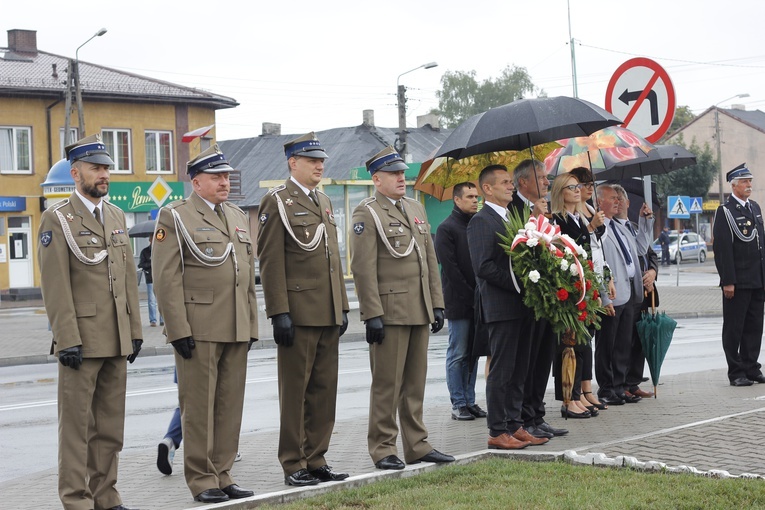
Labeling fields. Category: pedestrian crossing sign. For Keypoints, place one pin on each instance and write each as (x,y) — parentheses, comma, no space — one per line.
(679,207)
(696,206)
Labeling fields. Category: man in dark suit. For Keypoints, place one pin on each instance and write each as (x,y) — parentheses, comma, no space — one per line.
(531,183)
(614,340)
(306,300)
(91,297)
(502,310)
(204,268)
(739,247)
(396,274)
(458,283)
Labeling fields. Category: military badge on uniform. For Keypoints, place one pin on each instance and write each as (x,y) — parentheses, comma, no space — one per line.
(208,251)
(70,217)
(46,237)
(418,220)
(263,218)
(288,202)
(160,235)
(329,214)
(239,229)
(358,228)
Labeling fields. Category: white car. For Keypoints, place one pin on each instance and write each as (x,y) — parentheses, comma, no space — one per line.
(692,247)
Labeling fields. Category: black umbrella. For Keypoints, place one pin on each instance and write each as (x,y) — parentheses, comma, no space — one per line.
(525,123)
(662,160)
(142,229)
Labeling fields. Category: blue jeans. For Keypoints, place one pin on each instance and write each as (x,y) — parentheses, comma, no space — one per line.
(174,431)
(153,311)
(460,379)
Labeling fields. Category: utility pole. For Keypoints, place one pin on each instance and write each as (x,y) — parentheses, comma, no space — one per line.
(402,132)
(73,87)
(573,52)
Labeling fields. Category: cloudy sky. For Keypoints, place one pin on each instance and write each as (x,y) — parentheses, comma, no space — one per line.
(317,65)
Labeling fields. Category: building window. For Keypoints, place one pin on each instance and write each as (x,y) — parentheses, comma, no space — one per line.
(15,150)
(74,135)
(159,152)
(117,143)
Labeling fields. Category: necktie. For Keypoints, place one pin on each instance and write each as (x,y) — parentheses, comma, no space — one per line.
(221,215)
(400,206)
(97,214)
(313,196)
(631,228)
(625,251)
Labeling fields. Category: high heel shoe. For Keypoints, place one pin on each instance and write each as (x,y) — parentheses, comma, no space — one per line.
(565,413)
(599,405)
(593,411)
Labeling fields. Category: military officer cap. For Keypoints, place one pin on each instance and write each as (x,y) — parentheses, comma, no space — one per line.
(387,160)
(210,161)
(307,146)
(90,149)
(740,172)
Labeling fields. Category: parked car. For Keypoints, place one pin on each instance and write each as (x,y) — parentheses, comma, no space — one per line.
(692,247)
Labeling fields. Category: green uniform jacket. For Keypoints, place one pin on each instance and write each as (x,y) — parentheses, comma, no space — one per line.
(208,303)
(307,284)
(83,307)
(404,291)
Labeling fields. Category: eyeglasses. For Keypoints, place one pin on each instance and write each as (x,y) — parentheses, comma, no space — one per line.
(574,187)
(588,185)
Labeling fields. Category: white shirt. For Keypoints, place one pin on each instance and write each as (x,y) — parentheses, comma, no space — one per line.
(91,206)
(305,190)
(502,211)
(212,206)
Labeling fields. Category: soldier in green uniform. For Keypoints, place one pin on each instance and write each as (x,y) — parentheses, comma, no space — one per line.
(90,290)
(399,289)
(204,277)
(306,300)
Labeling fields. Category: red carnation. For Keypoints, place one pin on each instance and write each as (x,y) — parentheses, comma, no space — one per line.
(583,316)
(592,267)
(578,285)
(582,305)
(588,284)
(595,294)
(562,294)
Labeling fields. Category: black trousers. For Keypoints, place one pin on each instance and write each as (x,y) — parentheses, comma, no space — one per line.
(540,363)
(637,358)
(510,346)
(742,332)
(613,347)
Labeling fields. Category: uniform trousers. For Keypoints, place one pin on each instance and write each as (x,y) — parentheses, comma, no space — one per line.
(307,397)
(211,396)
(742,332)
(399,369)
(510,345)
(91,423)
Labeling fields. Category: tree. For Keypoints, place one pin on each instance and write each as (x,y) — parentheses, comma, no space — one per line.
(683,115)
(693,181)
(461,96)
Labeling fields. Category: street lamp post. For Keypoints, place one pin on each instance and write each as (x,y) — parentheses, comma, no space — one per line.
(721,177)
(401,99)
(73,80)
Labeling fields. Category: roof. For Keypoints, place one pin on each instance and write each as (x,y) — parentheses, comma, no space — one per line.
(262,158)
(34,75)
(752,118)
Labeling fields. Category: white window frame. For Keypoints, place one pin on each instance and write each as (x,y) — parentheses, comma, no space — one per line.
(14,151)
(62,141)
(116,169)
(157,155)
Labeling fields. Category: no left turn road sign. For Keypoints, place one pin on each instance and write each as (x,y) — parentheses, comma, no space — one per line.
(641,93)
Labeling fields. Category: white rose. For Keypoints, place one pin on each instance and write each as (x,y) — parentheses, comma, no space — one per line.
(534,276)
(564,264)
(532,242)
(573,269)
(568,251)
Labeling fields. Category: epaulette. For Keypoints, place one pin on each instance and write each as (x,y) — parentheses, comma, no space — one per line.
(320,191)
(234,206)
(174,204)
(111,204)
(368,200)
(410,198)
(277,189)
(59,205)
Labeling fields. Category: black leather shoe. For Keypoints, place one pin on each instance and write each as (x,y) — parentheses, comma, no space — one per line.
(462,414)
(301,478)
(390,462)
(122,507)
(537,432)
(741,381)
(325,474)
(476,411)
(434,456)
(758,379)
(552,430)
(630,399)
(612,400)
(233,491)
(211,496)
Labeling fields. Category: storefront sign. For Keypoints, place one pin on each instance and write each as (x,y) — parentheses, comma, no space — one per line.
(13,204)
(144,196)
